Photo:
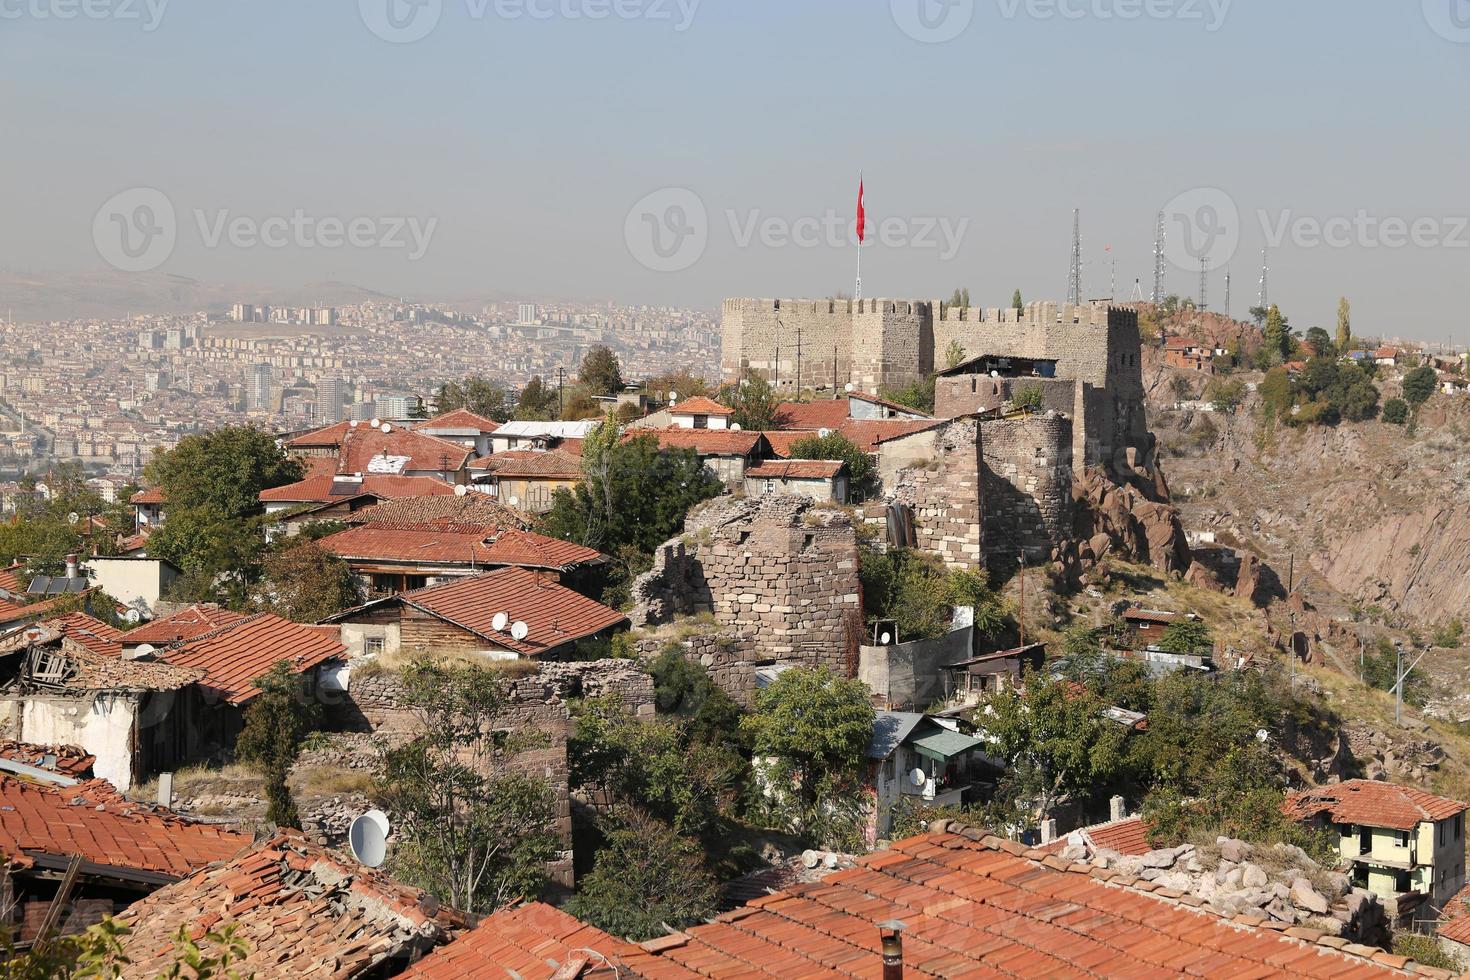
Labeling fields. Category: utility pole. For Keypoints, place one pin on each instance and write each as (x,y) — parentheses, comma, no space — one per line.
(834,372)
(779,328)
(1204,283)
(560,375)
(798,363)
(1265,282)
(1227,294)
(1022,617)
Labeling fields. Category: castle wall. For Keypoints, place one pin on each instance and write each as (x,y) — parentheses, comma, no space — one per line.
(770,336)
(1026,487)
(974,394)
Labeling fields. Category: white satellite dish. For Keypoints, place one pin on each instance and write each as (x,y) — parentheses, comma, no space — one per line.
(133,616)
(519,631)
(499,622)
(368,840)
(514,500)
(918,777)
(380,818)
(849,387)
(352,424)
(885,638)
(735,427)
(824,433)
(673,398)
(1262,735)
(375,423)
(73,517)
(387,428)
(461,490)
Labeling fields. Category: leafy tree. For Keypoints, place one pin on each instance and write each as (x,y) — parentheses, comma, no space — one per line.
(1321,343)
(1278,337)
(954,355)
(306,583)
(836,446)
(633,493)
(601,373)
(645,877)
(1419,384)
(1016,303)
(754,401)
(681,382)
(1057,744)
(1395,411)
(960,299)
(685,690)
(476,830)
(537,401)
(1277,394)
(1258,314)
(810,729)
(276,723)
(1226,394)
(1344,326)
(1028,398)
(475,394)
(919,593)
(1187,635)
(917,395)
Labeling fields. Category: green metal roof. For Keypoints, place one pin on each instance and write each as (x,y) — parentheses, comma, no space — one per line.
(945,745)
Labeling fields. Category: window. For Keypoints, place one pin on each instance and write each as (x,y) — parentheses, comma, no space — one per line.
(373,646)
(1402,838)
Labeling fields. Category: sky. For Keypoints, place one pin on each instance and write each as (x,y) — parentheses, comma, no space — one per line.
(674,152)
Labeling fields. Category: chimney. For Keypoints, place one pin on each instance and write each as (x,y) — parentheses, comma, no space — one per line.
(1119,808)
(891,933)
(166,789)
(71,566)
(1048,830)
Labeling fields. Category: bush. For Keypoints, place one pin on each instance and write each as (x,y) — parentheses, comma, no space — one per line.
(1396,411)
(1419,384)
(1028,398)
(917,592)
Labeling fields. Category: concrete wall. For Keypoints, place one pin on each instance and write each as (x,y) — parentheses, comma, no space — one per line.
(103,726)
(907,676)
(132,581)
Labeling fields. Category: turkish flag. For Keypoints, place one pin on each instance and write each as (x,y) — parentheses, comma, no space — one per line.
(862,215)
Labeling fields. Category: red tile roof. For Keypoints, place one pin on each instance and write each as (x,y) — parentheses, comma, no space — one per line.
(972,905)
(555,614)
(152,495)
(303,911)
(798,469)
(357,445)
(68,760)
(550,465)
(1150,616)
(473,508)
(810,416)
(496,460)
(318,489)
(457,544)
(700,405)
(233,656)
(1372,804)
(461,419)
(11,613)
(1128,836)
(1454,919)
(866,434)
(537,942)
(95,635)
(93,820)
(705,442)
(182,625)
(11,581)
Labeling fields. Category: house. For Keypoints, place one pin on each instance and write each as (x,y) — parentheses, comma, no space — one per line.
(148,507)
(529,479)
(728,453)
(1388,357)
(124,851)
(953,902)
(1404,844)
(1144,628)
(463,428)
(699,412)
(1187,354)
(832,413)
(917,755)
(824,481)
(509,613)
(1453,928)
(538,435)
(468,507)
(382,450)
(332,494)
(977,677)
(137,582)
(186,624)
(303,910)
(401,557)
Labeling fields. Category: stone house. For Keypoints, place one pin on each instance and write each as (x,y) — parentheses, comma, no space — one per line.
(824,481)
(728,453)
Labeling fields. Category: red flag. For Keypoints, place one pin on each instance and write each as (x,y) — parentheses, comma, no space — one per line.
(862,215)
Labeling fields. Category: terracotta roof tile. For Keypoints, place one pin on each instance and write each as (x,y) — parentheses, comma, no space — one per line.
(705,442)
(700,405)
(68,760)
(356,446)
(233,656)
(1371,803)
(95,635)
(473,508)
(460,419)
(182,625)
(457,544)
(93,820)
(798,469)
(150,495)
(552,464)
(319,488)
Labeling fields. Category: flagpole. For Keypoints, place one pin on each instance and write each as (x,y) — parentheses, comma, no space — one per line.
(861,221)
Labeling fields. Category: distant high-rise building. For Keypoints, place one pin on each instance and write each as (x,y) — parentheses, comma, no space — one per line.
(331,400)
(396,406)
(362,411)
(258,388)
(527,313)
(326,316)
(150,340)
(173,339)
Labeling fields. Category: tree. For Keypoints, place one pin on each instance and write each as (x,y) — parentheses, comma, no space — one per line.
(1258,314)
(754,401)
(1016,303)
(918,593)
(1186,636)
(1225,394)
(1322,343)
(960,299)
(917,394)
(1395,411)
(476,831)
(954,355)
(645,877)
(97,953)
(537,401)
(276,723)
(1057,744)
(474,394)
(304,582)
(1419,384)
(810,729)
(1344,326)
(680,382)
(836,446)
(1028,398)
(1277,394)
(601,373)
(1278,339)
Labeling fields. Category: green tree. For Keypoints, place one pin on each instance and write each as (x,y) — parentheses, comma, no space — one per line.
(1395,411)
(755,403)
(1016,303)
(537,401)
(954,355)
(1028,398)
(917,394)
(1419,384)
(476,830)
(1225,394)
(1186,636)
(1277,394)
(836,446)
(1322,343)
(960,299)
(601,373)
(1278,337)
(1344,326)
(475,394)
(681,382)
(645,877)
(918,593)
(1258,314)
(810,729)
(304,582)
(276,723)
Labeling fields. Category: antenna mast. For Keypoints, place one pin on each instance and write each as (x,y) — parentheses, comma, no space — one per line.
(1227,294)
(1074,278)
(1265,281)
(1159,262)
(1204,283)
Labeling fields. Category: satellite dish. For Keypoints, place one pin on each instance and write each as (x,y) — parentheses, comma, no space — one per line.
(380,818)
(133,616)
(885,638)
(499,622)
(824,433)
(73,517)
(810,858)
(1262,735)
(352,424)
(849,387)
(735,427)
(673,398)
(918,777)
(387,428)
(368,840)
(514,500)
(461,490)
(375,423)
(519,631)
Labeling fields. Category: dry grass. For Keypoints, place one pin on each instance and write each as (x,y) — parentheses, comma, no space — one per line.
(400,660)
(322,781)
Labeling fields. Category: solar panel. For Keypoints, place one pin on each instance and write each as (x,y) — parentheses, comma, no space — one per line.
(40,585)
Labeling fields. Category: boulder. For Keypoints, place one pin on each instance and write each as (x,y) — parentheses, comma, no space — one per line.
(1305,897)
(1161,858)
(1253,877)
(1234,851)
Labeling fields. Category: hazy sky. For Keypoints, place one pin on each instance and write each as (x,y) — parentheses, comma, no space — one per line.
(517,143)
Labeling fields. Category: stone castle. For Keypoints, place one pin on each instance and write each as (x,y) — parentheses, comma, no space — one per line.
(1086,358)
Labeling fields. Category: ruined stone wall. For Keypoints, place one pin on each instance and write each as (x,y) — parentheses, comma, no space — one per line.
(1026,493)
(778,573)
(972,394)
(944,495)
(729,660)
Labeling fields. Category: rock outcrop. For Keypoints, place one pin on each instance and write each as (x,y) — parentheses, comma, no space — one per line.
(1138,524)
